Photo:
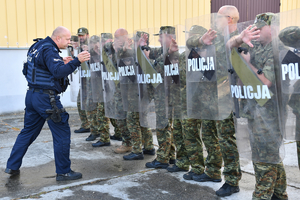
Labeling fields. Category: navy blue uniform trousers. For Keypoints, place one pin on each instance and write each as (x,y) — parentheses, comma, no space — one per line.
(35,116)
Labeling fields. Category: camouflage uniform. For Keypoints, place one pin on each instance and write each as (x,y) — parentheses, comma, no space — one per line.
(131,94)
(294,103)
(224,128)
(126,136)
(193,142)
(103,124)
(117,131)
(180,126)
(290,36)
(82,115)
(166,150)
(89,105)
(139,135)
(270,178)
(92,118)
(121,123)
(85,120)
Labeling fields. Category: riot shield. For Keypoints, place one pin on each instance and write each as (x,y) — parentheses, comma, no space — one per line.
(172,74)
(258,125)
(207,82)
(285,47)
(113,104)
(96,69)
(74,77)
(150,79)
(86,97)
(128,70)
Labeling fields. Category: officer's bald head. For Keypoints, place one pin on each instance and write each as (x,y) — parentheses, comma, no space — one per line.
(60,31)
(61,36)
(230,11)
(121,32)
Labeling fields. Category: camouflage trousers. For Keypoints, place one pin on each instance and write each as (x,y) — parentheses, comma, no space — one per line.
(270,179)
(117,129)
(182,159)
(166,147)
(126,136)
(92,119)
(139,135)
(82,114)
(103,123)
(227,140)
(194,147)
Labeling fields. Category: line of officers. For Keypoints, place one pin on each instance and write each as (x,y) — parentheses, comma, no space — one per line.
(234,84)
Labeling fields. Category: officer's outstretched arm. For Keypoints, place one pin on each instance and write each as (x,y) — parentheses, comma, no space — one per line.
(56,64)
(246,36)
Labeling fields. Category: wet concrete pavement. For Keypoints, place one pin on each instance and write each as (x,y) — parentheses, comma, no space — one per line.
(106,175)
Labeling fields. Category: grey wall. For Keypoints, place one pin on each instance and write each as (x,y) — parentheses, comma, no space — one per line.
(13,84)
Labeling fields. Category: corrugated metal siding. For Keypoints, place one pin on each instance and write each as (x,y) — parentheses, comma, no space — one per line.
(23,20)
(248,9)
(289,5)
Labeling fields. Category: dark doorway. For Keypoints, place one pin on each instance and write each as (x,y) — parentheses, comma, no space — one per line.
(248,9)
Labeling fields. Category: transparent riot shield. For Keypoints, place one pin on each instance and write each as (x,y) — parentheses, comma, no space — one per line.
(86,97)
(74,77)
(96,69)
(112,92)
(285,47)
(172,74)
(254,86)
(128,70)
(207,82)
(150,79)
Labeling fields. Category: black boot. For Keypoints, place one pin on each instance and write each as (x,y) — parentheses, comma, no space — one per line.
(92,137)
(227,190)
(12,172)
(68,176)
(82,130)
(134,156)
(156,164)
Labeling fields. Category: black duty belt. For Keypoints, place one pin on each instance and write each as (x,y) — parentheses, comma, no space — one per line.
(43,90)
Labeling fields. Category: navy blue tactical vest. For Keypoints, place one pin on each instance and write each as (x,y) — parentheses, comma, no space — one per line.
(34,75)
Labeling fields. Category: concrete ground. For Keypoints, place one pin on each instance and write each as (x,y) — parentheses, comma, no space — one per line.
(106,175)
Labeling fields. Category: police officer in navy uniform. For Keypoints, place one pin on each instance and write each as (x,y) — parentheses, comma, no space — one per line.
(46,73)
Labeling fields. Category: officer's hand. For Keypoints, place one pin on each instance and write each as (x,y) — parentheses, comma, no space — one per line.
(118,43)
(249,34)
(143,40)
(84,56)
(85,47)
(127,44)
(67,59)
(208,37)
(173,46)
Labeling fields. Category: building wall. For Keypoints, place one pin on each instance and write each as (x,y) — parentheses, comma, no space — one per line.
(23,20)
(289,5)
(248,9)
(13,83)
